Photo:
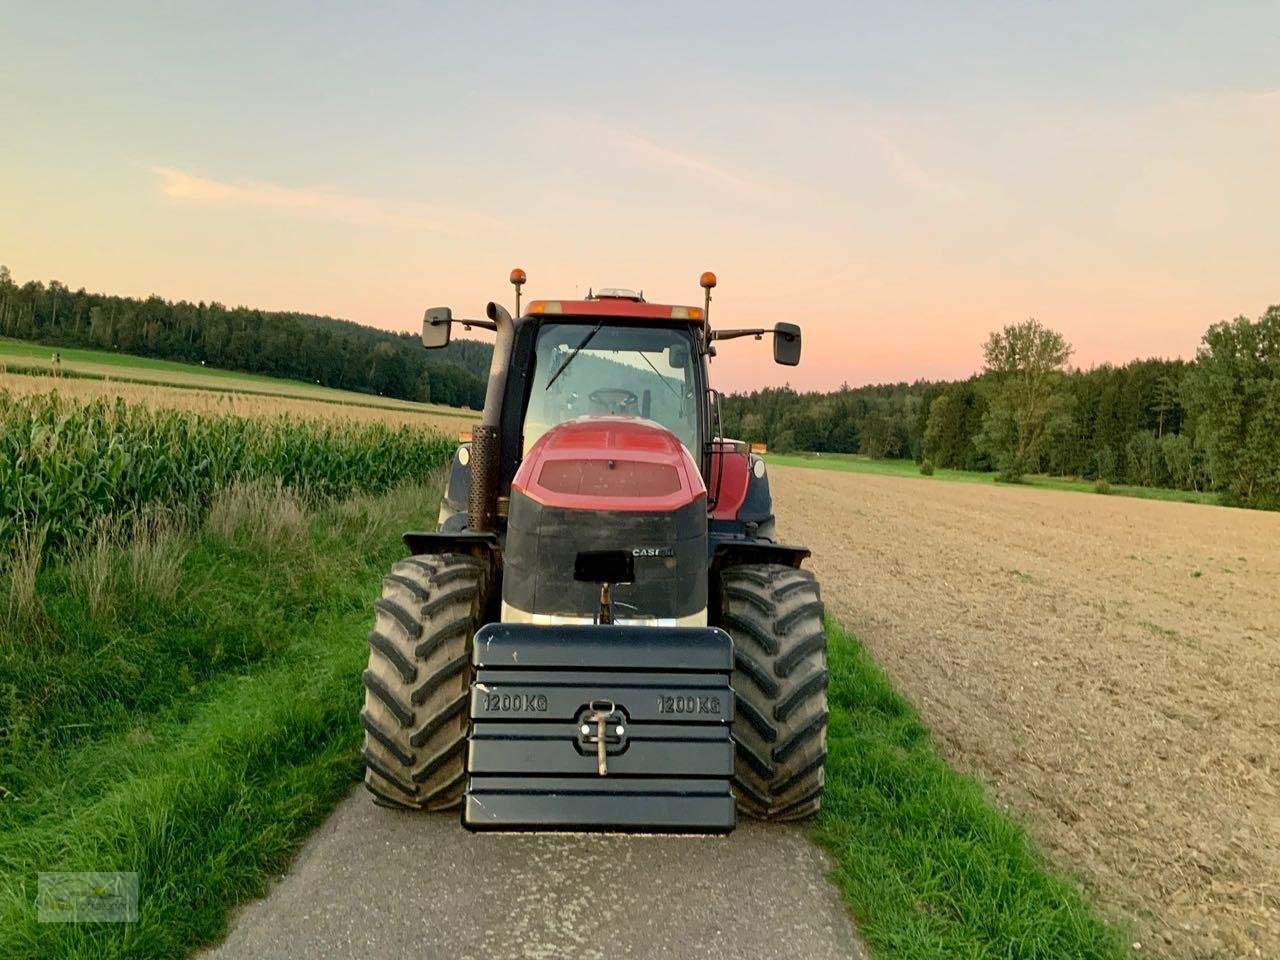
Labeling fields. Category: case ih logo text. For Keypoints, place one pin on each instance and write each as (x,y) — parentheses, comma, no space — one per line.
(653,551)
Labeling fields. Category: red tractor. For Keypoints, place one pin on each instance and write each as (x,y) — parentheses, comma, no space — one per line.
(604,632)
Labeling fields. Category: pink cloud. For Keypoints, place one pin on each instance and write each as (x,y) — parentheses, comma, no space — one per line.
(183,187)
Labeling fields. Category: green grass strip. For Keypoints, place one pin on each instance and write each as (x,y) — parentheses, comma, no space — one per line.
(857,463)
(928,865)
(205,813)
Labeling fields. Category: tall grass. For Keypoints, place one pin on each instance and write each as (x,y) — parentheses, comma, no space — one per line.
(64,465)
(262,512)
(89,571)
(22,608)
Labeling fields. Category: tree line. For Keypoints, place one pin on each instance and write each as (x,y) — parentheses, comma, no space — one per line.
(1212,423)
(297,346)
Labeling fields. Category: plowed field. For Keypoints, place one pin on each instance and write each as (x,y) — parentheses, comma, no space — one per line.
(1109,666)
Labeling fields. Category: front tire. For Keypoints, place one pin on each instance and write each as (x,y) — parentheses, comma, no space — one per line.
(775,615)
(418,682)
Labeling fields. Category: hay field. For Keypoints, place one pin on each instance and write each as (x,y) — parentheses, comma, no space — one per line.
(20,357)
(228,401)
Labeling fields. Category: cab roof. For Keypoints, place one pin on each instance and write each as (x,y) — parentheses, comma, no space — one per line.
(615,306)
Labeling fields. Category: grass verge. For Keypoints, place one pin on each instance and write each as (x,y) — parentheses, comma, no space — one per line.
(928,865)
(857,463)
(220,765)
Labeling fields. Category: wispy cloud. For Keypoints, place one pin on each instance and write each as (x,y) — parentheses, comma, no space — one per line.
(656,154)
(680,159)
(181,186)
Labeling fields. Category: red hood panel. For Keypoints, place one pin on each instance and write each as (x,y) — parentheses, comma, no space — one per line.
(610,463)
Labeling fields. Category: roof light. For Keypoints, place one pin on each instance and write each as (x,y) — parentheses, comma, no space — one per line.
(545,306)
(707,280)
(518,276)
(618,293)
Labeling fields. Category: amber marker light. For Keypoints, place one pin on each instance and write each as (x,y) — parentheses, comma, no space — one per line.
(686,313)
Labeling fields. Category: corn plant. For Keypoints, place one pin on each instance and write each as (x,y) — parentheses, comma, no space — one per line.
(65,464)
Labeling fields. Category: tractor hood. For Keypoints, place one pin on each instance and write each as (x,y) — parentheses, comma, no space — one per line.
(610,463)
(607,484)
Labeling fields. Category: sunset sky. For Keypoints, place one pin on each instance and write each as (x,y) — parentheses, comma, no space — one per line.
(898,178)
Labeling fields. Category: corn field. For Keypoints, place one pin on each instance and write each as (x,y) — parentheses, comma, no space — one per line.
(65,464)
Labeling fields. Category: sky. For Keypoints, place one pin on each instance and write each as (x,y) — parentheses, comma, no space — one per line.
(898,178)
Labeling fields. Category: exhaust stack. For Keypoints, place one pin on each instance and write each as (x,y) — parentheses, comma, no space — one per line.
(482,501)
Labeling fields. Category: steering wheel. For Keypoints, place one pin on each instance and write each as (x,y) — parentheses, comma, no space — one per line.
(613,398)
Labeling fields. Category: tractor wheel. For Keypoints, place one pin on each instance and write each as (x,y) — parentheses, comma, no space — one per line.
(774,614)
(418,681)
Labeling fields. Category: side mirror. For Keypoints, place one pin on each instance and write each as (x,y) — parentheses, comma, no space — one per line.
(436,324)
(786,344)
(677,356)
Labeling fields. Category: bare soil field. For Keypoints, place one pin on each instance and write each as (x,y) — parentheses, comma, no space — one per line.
(226,401)
(1109,666)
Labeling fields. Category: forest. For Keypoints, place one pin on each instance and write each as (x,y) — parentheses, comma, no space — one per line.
(296,346)
(941,420)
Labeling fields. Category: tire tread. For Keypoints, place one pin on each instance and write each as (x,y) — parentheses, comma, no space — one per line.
(417,682)
(775,615)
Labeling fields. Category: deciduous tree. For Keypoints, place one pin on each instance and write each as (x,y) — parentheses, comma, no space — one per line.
(1023,372)
(1233,393)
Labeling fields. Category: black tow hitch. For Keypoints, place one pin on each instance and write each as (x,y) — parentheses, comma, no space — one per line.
(600,727)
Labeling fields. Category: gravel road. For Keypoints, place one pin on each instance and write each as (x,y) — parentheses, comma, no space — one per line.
(377,883)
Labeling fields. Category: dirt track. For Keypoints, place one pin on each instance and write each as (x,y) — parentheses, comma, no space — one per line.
(374,883)
(1110,666)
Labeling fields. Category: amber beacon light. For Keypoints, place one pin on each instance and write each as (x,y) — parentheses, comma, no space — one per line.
(517,280)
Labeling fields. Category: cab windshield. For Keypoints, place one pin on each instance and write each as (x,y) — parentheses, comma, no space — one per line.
(584,369)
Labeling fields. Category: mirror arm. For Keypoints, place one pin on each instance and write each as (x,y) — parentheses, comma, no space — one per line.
(757,332)
(483,324)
